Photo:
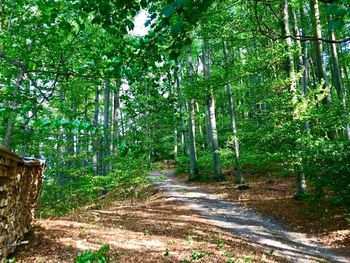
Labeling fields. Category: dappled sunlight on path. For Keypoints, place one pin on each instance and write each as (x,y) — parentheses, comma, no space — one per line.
(145,231)
(259,230)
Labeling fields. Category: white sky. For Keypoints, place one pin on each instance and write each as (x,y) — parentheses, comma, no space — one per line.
(140,20)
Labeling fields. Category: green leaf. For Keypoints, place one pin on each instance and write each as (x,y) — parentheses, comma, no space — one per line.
(64,25)
(148,22)
(161,38)
(337,24)
(64,123)
(180,3)
(176,28)
(144,4)
(46,123)
(168,11)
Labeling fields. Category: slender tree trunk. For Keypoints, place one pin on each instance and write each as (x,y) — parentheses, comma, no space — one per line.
(233,126)
(97,137)
(300,178)
(291,66)
(70,140)
(122,123)
(175,142)
(321,73)
(192,143)
(212,118)
(116,117)
(338,83)
(208,129)
(305,57)
(191,128)
(200,129)
(106,146)
(175,108)
(85,135)
(182,115)
(214,138)
(344,67)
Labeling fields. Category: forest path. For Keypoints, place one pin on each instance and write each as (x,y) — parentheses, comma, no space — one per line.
(255,228)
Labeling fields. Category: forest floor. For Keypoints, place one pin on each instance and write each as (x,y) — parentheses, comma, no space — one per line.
(155,229)
(159,228)
(273,197)
(261,230)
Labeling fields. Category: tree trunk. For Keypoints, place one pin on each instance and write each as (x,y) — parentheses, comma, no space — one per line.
(106,145)
(320,69)
(200,129)
(97,137)
(174,96)
(182,115)
(191,128)
(212,118)
(338,83)
(214,138)
(116,117)
(300,180)
(239,175)
(175,142)
(192,143)
(305,57)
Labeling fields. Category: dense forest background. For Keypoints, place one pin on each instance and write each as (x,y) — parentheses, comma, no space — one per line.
(256,86)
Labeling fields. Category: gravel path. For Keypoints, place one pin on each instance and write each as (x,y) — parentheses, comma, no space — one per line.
(257,229)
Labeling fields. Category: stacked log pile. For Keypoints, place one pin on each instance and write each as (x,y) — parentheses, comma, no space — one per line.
(20,184)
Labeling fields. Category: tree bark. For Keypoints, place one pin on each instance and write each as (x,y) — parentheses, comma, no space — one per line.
(305,57)
(300,176)
(194,174)
(212,118)
(116,117)
(98,169)
(106,112)
(239,175)
(338,83)
(214,138)
(182,115)
(321,73)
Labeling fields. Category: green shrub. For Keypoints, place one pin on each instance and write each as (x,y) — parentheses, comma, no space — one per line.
(182,165)
(127,176)
(87,256)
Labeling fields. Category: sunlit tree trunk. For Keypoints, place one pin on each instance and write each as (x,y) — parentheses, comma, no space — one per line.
(116,117)
(301,183)
(212,118)
(233,125)
(96,136)
(199,124)
(320,68)
(338,83)
(182,115)
(174,96)
(106,145)
(305,56)
(175,150)
(191,127)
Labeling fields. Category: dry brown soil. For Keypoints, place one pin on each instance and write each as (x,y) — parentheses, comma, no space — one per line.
(150,230)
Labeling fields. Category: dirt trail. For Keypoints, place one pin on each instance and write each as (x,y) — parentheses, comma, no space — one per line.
(259,230)
(152,229)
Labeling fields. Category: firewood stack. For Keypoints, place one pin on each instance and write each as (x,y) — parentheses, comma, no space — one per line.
(20,184)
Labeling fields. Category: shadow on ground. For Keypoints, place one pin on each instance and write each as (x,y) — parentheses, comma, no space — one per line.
(154,230)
